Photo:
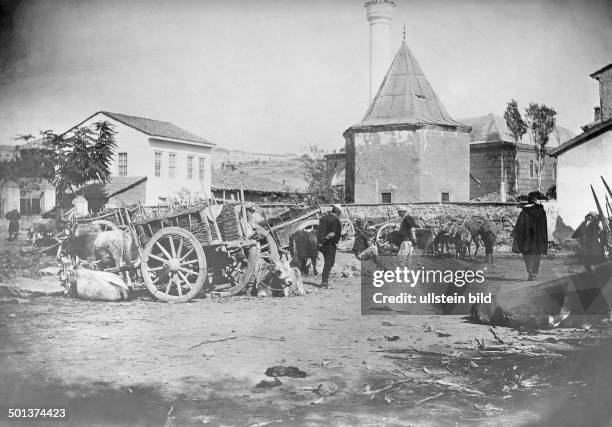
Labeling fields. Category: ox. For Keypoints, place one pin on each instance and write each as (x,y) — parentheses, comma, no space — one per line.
(96,285)
(113,248)
(278,278)
(45,227)
(303,247)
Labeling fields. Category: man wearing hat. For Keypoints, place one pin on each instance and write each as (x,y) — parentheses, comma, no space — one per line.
(407,234)
(531,235)
(328,236)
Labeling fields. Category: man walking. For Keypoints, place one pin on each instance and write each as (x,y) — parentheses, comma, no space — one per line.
(328,236)
(531,235)
(13,218)
(408,235)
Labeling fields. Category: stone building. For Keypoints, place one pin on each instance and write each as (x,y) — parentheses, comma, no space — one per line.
(407,148)
(499,164)
(583,160)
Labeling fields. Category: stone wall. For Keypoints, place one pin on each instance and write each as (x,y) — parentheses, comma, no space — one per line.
(411,165)
(605,94)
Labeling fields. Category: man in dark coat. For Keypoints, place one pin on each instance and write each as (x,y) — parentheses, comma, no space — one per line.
(328,236)
(13,218)
(531,235)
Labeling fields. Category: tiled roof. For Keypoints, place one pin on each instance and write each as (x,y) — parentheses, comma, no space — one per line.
(405,97)
(493,128)
(157,128)
(224,179)
(591,132)
(116,185)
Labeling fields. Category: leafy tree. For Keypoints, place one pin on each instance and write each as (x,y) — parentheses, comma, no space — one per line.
(541,121)
(69,160)
(318,174)
(518,127)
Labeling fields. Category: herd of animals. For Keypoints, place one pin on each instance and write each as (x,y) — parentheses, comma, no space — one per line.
(99,249)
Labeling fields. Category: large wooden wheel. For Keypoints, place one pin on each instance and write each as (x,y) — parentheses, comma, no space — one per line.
(383,232)
(267,245)
(238,273)
(173,265)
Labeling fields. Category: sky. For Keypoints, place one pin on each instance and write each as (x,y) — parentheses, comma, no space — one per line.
(276,76)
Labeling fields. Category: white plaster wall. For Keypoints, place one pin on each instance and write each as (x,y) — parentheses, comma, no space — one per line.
(577,169)
(141,148)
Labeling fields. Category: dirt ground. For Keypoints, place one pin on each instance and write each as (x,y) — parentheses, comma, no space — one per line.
(143,362)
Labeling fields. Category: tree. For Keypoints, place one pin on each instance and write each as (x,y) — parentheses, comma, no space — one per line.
(541,121)
(67,161)
(518,127)
(318,174)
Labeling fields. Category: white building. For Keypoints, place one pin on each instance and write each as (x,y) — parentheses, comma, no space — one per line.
(583,160)
(171,158)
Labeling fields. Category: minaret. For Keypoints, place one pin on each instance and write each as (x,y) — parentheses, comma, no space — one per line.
(379,13)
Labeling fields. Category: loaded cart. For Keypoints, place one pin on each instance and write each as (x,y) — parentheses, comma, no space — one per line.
(204,247)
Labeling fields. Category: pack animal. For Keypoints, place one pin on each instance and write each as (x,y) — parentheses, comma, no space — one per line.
(278,278)
(484,231)
(303,245)
(462,239)
(425,238)
(113,248)
(444,239)
(44,227)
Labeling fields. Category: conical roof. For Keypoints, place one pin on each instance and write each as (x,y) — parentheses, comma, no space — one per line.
(405,97)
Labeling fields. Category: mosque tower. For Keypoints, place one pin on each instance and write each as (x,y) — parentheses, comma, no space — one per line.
(379,14)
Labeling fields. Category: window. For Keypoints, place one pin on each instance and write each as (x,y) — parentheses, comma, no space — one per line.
(122,164)
(29,203)
(171,165)
(445,197)
(201,166)
(385,197)
(158,164)
(189,167)
(531,169)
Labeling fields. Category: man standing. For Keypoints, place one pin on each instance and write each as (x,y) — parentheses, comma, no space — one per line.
(531,235)
(328,236)
(13,218)
(407,234)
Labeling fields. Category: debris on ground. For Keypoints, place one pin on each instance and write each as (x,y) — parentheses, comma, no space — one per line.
(285,371)
(269,384)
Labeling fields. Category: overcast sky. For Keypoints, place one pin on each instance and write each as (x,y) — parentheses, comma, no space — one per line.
(271,75)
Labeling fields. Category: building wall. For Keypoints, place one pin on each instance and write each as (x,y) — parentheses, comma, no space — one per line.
(141,148)
(578,168)
(412,165)
(485,165)
(605,94)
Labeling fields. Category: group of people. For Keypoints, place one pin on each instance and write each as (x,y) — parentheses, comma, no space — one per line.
(530,238)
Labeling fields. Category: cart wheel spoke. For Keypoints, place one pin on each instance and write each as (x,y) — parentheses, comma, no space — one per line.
(179,288)
(180,248)
(156,258)
(193,261)
(186,271)
(157,268)
(187,254)
(182,276)
(169,285)
(172,249)
(168,256)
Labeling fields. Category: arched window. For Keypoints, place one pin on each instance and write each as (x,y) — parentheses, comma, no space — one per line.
(531,168)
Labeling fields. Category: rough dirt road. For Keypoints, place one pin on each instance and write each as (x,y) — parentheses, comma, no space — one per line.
(143,362)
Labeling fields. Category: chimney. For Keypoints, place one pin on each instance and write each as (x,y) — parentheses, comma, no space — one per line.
(379,14)
(597,114)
